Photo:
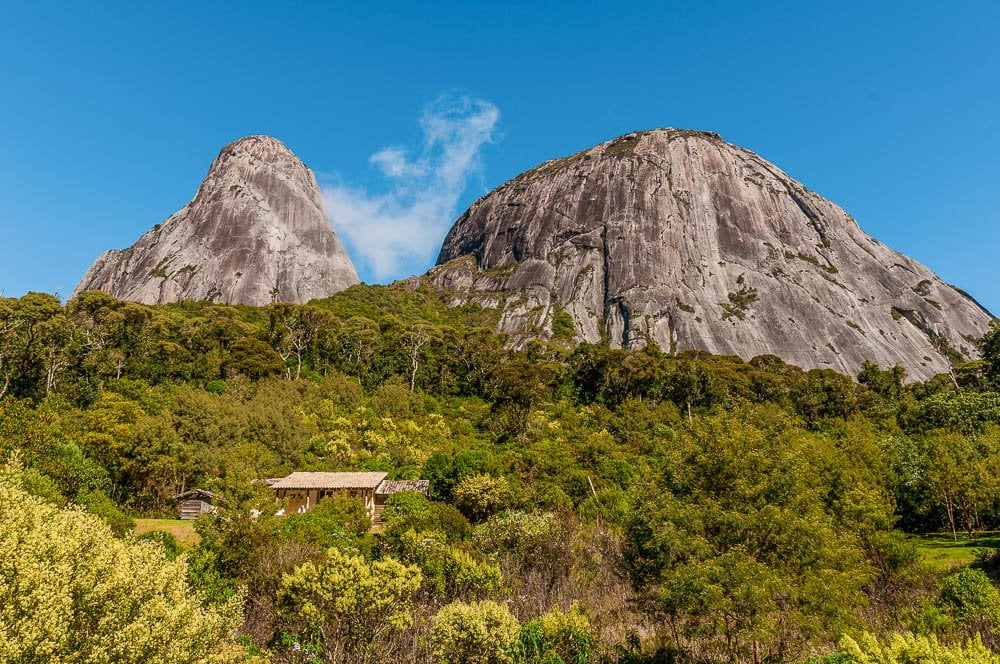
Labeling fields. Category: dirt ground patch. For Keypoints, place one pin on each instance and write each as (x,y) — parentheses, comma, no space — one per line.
(183,531)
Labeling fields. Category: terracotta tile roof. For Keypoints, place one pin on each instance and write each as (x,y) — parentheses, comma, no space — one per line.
(303,480)
(398,486)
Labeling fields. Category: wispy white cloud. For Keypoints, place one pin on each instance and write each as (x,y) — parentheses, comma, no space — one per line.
(404,226)
(394,163)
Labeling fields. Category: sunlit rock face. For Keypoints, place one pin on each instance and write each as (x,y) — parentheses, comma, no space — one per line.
(681,238)
(256,232)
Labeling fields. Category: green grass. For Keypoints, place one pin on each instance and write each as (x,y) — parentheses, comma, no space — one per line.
(942,552)
(183,531)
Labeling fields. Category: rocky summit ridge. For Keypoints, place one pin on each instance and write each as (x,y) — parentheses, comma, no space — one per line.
(256,232)
(681,238)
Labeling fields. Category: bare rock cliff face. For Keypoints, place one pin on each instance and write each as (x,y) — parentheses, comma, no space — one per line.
(255,233)
(697,244)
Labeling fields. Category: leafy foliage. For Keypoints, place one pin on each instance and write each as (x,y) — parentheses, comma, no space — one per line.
(349,605)
(73,592)
(479,496)
(586,503)
(907,648)
(556,636)
(477,633)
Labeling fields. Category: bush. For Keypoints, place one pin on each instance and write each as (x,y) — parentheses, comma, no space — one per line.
(562,326)
(73,592)
(448,571)
(910,649)
(445,471)
(335,521)
(42,486)
(477,633)
(216,386)
(971,599)
(408,506)
(414,511)
(98,504)
(254,358)
(479,496)
(517,532)
(556,637)
(471,577)
(354,606)
(169,543)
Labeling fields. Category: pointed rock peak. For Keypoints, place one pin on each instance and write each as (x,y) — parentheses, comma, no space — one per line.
(256,232)
(260,146)
(252,156)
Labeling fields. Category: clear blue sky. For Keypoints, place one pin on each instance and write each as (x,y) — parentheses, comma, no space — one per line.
(111,112)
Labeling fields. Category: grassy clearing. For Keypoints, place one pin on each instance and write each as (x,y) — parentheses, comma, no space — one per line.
(183,531)
(941,551)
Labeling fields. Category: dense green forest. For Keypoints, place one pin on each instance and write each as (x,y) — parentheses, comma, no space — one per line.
(587,504)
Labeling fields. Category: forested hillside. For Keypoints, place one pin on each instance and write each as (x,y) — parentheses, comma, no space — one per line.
(586,504)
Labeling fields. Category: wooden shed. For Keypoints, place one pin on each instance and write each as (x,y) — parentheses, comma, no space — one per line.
(192,504)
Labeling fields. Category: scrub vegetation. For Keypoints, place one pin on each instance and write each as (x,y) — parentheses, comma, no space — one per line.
(586,504)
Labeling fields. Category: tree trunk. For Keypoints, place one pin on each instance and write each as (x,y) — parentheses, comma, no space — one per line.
(950,509)
(416,365)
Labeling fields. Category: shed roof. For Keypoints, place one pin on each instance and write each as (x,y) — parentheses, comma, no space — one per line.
(398,486)
(304,480)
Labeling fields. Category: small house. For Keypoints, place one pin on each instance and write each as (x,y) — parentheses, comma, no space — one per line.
(301,491)
(192,504)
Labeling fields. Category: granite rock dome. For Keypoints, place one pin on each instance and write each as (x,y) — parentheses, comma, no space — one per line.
(681,238)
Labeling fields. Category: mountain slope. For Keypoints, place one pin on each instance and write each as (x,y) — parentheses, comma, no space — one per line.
(682,238)
(256,232)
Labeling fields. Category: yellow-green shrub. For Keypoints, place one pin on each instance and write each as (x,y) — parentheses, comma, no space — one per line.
(477,633)
(352,606)
(911,649)
(557,637)
(447,570)
(479,496)
(70,591)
